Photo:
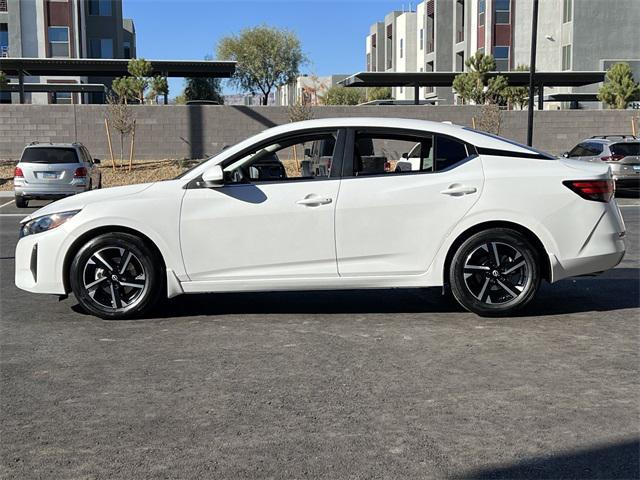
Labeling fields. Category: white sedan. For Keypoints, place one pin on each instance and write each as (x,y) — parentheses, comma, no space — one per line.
(481,215)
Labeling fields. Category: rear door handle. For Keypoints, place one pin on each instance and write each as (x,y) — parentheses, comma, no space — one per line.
(314,201)
(456,190)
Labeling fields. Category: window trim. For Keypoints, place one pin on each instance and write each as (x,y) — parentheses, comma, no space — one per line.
(348,163)
(336,163)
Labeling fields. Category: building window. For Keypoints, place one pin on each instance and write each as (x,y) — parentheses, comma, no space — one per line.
(481,12)
(501,55)
(566,57)
(481,50)
(4,40)
(127,49)
(567,11)
(5,97)
(59,41)
(100,7)
(428,68)
(61,98)
(3,5)
(422,39)
(459,21)
(101,48)
(502,10)
(401,48)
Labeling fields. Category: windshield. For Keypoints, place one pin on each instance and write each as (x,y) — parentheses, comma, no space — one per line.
(526,147)
(49,155)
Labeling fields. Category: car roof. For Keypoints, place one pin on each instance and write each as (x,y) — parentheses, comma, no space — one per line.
(54,145)
(477,138)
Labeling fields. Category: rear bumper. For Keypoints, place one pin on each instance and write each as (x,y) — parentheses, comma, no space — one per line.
(603,249)
(40,191)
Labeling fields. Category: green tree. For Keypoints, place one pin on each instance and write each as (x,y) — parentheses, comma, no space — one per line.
(619,88)
(475,85)
(140,71)
(518,96)
(4,81)
(344,96)
(265,56)
(203,89)
(159,86)
(378,93)
(123,89)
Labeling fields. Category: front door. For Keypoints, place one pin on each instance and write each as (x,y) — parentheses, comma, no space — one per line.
(392,221)
(271,220)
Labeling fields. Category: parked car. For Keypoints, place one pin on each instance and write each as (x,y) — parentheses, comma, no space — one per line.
(54,170)
(488,219)
(620,152)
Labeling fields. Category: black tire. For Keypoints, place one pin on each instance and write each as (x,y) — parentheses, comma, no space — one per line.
(490,287)
(116,275)
(21,202)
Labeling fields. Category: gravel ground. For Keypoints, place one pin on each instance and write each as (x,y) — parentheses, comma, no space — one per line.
(363,384)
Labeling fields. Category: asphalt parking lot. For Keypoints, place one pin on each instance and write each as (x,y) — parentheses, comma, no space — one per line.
(363,384)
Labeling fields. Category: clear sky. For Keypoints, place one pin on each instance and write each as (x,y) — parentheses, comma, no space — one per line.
(332,32)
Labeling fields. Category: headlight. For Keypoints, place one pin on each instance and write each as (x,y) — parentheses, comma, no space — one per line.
(46,222)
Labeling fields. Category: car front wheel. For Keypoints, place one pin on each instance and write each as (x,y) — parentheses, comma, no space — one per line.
(116,275)
(495,272)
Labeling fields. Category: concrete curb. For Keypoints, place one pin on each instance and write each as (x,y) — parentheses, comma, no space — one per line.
(5,194)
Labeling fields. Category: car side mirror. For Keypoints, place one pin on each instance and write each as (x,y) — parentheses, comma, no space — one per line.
(213,177)
(307,152)
(96,160)
(565,154)
(405,155)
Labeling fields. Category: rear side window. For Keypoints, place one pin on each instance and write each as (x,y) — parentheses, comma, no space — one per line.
(378,153)
(49,155)
(625,149)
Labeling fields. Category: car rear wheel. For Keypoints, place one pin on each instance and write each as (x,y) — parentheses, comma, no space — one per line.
(495,272)
(116,275)
(21,202)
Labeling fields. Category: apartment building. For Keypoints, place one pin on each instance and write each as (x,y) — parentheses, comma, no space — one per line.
(306,89)
(573,35)
(64,29)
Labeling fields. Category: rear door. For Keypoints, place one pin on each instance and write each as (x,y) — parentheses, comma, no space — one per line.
(49,165)
(392,222)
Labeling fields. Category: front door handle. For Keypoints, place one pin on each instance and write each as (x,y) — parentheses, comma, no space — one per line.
(456,190)
(314,201)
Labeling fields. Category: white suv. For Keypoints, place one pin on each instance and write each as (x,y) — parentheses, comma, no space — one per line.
(54,170)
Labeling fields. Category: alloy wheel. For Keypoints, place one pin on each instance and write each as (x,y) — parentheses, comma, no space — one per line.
(496,273)
(114,278)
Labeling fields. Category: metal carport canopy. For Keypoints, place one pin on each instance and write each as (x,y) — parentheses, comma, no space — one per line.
(56,87)
(98,67)
(445,79)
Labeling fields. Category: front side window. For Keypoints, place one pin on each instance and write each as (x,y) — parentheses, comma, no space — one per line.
(582,150)
(396,153)
(304,157)
(58,41)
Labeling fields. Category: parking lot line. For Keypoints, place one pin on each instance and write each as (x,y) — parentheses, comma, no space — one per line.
(14,215)
(5,204)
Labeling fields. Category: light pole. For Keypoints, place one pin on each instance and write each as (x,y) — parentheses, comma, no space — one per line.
(532,71)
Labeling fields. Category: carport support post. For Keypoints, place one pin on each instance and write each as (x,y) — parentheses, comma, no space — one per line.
(541,97)
(21,85)
(532,71)
(416,94)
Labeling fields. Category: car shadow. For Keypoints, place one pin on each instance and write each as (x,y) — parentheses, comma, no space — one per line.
(616,460)
(618,289)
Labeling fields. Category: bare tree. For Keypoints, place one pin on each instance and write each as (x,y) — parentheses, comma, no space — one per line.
(120,117)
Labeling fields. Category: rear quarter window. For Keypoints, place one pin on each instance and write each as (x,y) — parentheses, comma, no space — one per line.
(49,155)
(625,149)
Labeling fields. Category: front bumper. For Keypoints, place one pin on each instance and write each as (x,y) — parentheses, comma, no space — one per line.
(38,262)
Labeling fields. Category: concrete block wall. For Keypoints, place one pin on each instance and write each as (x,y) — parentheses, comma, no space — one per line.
(178,131)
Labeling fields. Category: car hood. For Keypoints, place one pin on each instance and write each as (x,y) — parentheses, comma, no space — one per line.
(79,201)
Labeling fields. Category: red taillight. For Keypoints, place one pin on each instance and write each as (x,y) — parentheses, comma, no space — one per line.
(18,172)
(80,172)
(596,190)
(612,158)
